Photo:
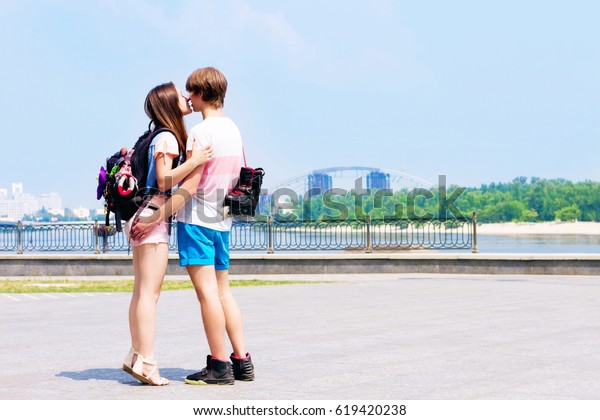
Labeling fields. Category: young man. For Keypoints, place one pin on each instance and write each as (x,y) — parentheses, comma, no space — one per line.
(203,229)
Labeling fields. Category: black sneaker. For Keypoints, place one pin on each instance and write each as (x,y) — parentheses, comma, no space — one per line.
(243,369)
(216,372)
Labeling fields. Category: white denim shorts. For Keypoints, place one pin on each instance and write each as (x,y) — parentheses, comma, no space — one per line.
(159,234)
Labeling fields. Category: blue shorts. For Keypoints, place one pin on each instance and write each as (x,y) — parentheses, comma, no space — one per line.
(199,245)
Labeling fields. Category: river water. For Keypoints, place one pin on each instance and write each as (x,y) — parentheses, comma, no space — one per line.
(578,244)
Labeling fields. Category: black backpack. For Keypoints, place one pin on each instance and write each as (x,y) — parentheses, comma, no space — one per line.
(243,199)
(123,182)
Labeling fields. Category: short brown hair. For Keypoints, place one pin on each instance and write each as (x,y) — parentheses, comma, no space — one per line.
(210,83)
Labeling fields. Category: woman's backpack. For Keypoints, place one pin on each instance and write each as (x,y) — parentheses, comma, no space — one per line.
(123,182)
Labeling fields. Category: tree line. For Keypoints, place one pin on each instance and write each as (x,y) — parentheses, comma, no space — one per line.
(522,200)
(534,200)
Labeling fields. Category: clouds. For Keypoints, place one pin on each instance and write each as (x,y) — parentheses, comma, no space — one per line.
(277,31)
(325,47)
(331,50)
(385,83)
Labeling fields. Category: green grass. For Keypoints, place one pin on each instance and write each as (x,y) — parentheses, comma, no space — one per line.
(112,286)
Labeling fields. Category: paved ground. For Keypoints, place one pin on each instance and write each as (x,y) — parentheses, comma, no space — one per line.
(397,337)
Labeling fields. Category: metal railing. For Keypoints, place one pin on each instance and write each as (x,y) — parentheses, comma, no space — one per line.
(267,236)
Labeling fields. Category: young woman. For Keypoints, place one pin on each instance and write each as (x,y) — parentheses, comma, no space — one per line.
(165,106)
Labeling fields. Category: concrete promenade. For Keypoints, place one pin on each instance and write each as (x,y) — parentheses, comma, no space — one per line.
(356,337)
(436,262)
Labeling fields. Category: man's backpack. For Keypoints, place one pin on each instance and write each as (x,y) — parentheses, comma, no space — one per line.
(243,199)
(123,182)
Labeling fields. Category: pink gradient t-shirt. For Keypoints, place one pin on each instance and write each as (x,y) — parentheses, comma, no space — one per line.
(220,174)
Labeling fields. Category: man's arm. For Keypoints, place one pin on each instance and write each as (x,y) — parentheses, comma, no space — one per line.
(186,190)
(168,177)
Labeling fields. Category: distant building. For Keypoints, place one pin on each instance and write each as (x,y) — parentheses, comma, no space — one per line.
(17,189)
(319,181)
(377,180)
(57,212)
(81,213)
(11,210)
(22,203)
(51,202)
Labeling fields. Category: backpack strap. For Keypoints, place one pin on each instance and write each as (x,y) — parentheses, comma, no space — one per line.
(118,225)
(176,162)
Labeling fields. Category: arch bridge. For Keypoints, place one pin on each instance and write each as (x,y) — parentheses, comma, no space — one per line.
(351,177)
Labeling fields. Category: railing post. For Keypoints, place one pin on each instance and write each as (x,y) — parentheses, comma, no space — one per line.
(474,249)
(369,245)
(104,239)
(19,237)
(270,235)
(96,240)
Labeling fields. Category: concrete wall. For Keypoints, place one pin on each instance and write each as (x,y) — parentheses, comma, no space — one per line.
(283,263)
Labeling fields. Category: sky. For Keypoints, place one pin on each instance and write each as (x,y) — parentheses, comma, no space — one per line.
(478,91)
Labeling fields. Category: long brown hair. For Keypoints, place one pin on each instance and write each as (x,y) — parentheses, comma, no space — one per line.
(162,106)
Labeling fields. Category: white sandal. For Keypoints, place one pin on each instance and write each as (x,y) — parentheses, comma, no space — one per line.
(127,365)
(137,372)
